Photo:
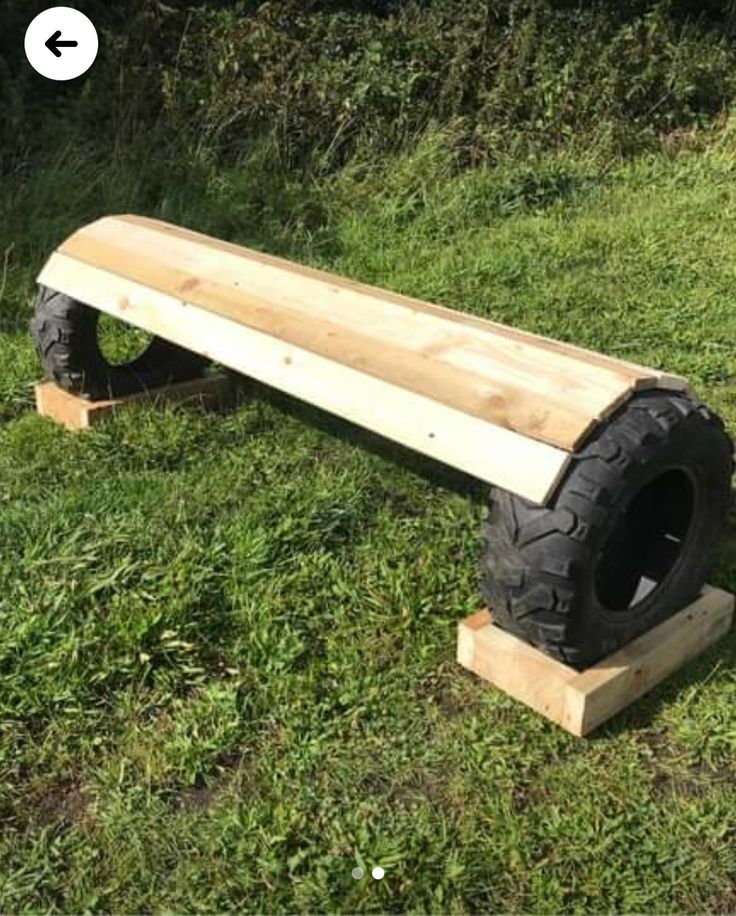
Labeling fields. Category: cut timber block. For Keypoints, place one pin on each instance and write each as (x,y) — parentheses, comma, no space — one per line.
(75,412)
(580,701)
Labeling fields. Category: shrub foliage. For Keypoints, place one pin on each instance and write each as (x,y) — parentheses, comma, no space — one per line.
(325,80)
(336,78)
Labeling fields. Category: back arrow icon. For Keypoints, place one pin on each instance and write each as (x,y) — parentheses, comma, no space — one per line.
(53,44)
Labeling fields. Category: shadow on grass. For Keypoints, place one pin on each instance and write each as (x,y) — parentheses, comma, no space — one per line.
(643,711)
(435,472)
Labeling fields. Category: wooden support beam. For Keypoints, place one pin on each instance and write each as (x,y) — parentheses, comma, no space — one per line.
(76,413)
(581,701)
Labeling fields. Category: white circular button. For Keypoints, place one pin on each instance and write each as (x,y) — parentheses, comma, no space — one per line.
(61,43)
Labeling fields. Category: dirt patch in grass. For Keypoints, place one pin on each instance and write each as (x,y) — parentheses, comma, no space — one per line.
(423,787)
(693,781)
(196,800)
(235,777)
(525,795)
(723,903)
(62,804)
(452,694)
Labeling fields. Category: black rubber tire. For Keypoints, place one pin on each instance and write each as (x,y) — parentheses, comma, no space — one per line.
(65,335)
(648,496)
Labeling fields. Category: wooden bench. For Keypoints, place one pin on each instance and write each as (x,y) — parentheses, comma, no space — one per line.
(610,493)
(503,405)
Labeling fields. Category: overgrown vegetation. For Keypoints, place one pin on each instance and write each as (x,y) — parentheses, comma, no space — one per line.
(513,75)
(226,660)
(329,80)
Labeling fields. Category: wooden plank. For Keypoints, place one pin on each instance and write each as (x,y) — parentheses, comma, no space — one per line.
(485,450)
(280,283)
(377,346)
(539,388)
(612,684)
(77,413)
(582,701)
(418,305)
(383,358)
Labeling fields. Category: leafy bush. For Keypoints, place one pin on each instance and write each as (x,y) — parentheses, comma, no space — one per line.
(328,79)
(321,81)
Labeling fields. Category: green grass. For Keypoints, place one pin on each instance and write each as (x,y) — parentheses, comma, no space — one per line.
(226,655)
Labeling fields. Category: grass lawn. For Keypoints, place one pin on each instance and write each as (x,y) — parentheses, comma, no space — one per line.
(227,669)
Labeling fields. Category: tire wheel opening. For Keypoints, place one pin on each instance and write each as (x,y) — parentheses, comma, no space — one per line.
(646,543)
(120,343)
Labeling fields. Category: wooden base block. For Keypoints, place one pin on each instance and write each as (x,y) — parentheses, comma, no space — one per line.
(75,412)
(580,701)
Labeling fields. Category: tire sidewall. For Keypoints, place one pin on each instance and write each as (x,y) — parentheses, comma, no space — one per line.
(689,449)
(65,333)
